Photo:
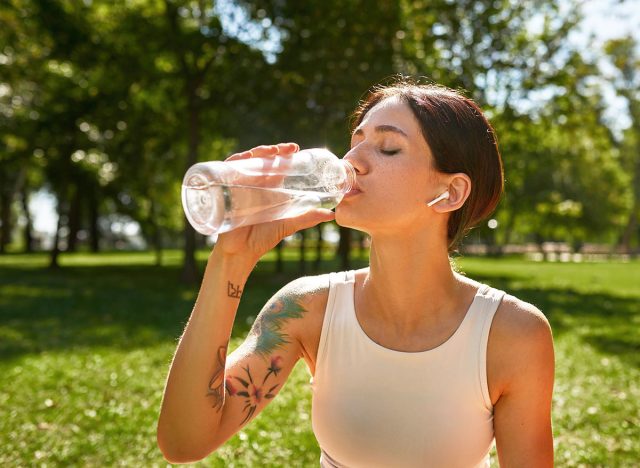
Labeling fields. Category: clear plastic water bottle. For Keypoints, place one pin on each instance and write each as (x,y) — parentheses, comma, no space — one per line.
(221,196)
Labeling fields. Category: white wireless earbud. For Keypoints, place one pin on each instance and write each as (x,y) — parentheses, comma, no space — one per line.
(444,196)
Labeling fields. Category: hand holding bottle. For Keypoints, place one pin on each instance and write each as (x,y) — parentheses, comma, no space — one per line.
(257,239)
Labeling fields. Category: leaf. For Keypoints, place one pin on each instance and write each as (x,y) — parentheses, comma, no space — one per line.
(251,411)
(246,369)
(242,381)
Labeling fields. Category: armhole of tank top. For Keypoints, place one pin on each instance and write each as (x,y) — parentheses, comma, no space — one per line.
(334,282)
(493,299)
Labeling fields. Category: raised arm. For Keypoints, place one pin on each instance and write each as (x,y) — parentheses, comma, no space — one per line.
(208,397)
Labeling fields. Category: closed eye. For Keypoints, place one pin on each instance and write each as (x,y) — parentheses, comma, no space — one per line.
(390,152)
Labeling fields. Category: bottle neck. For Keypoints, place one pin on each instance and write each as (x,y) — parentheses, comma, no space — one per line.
(350,180)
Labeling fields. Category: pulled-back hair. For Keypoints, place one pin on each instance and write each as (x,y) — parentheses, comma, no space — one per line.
(461,139)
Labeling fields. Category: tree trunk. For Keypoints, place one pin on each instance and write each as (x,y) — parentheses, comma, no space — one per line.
(74,219)
(344,248)
(319,246)
(279,259)
(5,219)
(28,229)
(94,230)
(508,230)
(7,191)
(631,229)
(624,245)
(362,237)
(158,245)
(189,269)
(302,266)
(55,249)
(156,233)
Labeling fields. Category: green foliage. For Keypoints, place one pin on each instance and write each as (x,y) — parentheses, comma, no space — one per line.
(625,57)
(107,104)
(564,179)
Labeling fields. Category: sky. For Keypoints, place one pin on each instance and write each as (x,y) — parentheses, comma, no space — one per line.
(611,18)
(604,19)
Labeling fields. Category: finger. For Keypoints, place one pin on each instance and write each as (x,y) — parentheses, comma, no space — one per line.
(306,220)
(264,151)
(287,148)
(243,155)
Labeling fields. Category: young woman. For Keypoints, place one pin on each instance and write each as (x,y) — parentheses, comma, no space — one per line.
(412,363)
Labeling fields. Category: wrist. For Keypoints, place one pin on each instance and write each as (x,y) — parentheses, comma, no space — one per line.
(232,262)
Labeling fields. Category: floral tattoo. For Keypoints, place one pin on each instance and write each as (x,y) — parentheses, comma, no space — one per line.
(253,392)
(267,336)
(216,384)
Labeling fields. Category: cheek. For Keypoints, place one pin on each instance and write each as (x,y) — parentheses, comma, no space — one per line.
(394,194)
(404,188)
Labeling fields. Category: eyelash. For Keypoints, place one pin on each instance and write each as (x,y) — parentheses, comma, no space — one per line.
(389,152)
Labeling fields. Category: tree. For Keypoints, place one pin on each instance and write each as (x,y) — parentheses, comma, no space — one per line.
(204,81)
(19,168)
(331,52)
(552,189)
(625,57)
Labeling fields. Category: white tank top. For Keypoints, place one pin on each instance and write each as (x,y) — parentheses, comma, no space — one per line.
(376,407)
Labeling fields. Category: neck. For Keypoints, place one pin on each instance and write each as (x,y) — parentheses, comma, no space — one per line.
(410,281)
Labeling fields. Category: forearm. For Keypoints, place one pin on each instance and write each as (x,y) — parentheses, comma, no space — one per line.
(194,392)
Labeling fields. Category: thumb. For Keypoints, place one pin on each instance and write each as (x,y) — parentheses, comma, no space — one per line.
(307,220)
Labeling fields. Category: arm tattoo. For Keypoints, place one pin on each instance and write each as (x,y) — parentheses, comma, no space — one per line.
(254,392)
(216,384)
(267,336)
(267,329)
(233,290)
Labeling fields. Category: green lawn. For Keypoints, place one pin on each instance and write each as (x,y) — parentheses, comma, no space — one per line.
(84,353)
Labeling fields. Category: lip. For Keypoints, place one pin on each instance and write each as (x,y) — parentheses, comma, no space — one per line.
(352,193)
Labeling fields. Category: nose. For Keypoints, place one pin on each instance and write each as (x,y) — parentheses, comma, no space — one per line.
(357,160)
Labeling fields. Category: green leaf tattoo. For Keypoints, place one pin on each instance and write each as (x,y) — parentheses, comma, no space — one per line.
(267,328)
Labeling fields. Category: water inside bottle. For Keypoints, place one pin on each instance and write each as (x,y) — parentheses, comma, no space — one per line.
(218,208)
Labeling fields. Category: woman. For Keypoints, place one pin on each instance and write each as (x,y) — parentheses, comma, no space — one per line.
(412,363)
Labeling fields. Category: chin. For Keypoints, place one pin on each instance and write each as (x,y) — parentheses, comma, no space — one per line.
(345,218)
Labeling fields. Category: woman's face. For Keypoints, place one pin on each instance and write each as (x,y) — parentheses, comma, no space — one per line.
(395,174)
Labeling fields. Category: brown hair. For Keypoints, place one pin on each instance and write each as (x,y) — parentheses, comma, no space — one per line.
(461,140)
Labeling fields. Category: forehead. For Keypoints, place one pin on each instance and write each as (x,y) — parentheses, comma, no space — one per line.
(392,111)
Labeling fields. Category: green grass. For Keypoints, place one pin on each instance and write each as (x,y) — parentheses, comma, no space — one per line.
(84,353)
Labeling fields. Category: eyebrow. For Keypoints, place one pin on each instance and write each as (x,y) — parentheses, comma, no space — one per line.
(382,129)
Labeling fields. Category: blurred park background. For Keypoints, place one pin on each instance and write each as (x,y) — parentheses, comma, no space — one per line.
(104,105)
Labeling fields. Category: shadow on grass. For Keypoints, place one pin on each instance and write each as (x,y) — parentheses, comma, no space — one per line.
(604,321)
(138,306)
(110,306)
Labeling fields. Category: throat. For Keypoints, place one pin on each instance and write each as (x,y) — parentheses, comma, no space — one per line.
(418,323)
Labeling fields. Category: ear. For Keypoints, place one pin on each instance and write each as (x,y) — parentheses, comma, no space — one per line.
(459,188)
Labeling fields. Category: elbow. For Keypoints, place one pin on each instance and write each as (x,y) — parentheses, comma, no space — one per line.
(177,450)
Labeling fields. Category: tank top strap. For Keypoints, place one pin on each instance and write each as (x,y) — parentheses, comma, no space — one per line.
(489,300)
(339,297)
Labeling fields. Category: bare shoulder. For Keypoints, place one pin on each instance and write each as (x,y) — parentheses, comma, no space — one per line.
(295,315)
(309,292)
(520,320)
(308,286)
(298,301)
(520,345)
